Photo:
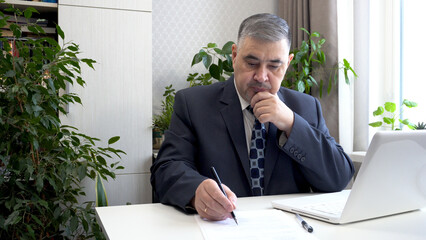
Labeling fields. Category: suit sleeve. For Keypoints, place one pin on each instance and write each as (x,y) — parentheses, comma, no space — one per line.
(173,174)
(322,161)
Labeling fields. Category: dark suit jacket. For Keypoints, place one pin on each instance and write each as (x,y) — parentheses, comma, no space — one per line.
(207,130)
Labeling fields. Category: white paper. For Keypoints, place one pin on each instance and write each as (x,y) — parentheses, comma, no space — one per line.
(257,224)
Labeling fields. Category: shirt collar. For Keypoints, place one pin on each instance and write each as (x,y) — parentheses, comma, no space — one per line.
(243,102)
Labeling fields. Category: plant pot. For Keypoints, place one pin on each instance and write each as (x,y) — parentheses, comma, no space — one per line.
(157,138)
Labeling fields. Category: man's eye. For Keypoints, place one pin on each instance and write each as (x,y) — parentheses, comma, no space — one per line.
(273,67)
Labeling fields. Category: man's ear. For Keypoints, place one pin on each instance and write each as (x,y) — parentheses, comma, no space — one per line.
(234,52)
(290,57)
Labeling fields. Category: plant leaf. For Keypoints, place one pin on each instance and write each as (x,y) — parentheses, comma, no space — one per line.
(315,34)
(113,140)
(29,12)
(390,107)
(60,32)
(101,197)
(227,48)
(409,104)
(207,61)
(375,124)
(388,120)
(214,71)
(211,45)
(197,58)
(379,111)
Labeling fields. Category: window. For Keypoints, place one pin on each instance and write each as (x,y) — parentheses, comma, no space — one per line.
(413,52)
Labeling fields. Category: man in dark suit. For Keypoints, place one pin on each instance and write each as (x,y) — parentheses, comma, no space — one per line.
(211,126)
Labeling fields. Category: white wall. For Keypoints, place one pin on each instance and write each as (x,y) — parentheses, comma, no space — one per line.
(182,27)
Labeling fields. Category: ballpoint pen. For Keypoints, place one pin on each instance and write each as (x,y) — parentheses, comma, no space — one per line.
(305,225)
(217,179)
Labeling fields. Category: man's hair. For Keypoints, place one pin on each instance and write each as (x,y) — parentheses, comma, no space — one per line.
(265,26)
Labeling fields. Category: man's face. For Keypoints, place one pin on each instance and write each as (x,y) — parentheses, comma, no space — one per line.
(259,66)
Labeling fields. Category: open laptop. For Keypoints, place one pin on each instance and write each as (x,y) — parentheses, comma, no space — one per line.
(391,180)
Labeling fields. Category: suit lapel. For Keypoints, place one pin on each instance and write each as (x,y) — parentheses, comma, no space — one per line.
(233,118)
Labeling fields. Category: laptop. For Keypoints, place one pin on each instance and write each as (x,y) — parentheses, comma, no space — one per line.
(391,180)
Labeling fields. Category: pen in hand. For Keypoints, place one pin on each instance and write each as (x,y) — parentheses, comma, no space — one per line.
(305,225)
(217,179)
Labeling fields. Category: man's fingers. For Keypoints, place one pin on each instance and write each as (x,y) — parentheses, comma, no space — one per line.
(259,97)
(211,203)
(218,199)
(231,196)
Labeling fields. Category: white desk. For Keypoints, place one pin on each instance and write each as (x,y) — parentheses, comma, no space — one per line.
(158,221)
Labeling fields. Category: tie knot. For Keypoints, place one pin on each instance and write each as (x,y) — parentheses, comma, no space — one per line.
(250,109)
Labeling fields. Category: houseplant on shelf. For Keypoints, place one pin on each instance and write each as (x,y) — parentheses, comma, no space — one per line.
(42,161)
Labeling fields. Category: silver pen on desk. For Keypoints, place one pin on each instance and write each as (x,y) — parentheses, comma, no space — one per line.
(305,225)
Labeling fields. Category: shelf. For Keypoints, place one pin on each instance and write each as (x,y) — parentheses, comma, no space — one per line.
(47,30)
(42,7)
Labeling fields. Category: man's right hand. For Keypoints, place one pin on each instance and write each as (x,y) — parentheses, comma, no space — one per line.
(211,203)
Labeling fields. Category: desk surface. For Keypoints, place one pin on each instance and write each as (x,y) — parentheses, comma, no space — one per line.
(158,221)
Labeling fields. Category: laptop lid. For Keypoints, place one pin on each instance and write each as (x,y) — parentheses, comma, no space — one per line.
(391,180)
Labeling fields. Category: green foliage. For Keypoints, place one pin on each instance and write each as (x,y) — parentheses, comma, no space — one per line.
(307,58)
(389,117)
(162,121)
(42,162)
(219,71)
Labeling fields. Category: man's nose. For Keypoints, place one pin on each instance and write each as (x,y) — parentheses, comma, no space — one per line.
(261,74)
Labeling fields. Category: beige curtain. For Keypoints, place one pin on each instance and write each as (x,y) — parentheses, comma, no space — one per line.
(319,16)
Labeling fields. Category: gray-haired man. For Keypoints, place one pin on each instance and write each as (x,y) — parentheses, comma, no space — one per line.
(261,138)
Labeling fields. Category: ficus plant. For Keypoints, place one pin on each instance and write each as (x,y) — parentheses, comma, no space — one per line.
(390,117)
(42,161)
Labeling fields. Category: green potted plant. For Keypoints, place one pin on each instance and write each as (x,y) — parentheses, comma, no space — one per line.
(42,161)
(161,122)
(389,116)
(308,58)
(420,126)
(219,71)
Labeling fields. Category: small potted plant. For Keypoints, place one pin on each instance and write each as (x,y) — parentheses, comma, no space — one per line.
(161,122)
(420,126)
(390,117)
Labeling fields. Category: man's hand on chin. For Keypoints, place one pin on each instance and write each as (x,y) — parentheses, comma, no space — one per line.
(267,107)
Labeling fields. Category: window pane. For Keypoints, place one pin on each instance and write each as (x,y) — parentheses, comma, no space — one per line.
(413,59)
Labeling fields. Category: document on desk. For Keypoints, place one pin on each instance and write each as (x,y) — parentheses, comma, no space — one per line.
(256,224)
